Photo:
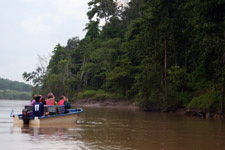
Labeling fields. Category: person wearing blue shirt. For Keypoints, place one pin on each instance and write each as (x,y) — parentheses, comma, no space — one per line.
(38,108)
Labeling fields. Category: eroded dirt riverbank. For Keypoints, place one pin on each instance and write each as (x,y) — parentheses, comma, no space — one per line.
(126,104)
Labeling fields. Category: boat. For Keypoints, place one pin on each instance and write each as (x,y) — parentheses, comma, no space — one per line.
(55,119)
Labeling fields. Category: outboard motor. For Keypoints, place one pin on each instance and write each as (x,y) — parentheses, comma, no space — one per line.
(25,116)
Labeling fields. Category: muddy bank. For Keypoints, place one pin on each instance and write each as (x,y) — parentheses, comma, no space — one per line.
(203,114)
(124,104)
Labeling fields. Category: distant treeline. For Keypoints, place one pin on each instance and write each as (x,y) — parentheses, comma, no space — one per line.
(14,89)
(12,94)
(6,84)
(162,54)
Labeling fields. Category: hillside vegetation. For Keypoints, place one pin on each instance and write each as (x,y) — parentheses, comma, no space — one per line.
(14,90)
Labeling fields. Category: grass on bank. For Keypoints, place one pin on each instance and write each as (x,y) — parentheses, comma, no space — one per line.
(99,95)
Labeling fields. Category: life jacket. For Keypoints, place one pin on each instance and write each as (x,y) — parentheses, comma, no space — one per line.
(50,102)
(61,102)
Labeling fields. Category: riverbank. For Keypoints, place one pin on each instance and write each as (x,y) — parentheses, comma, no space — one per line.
(108,103)
(127,104)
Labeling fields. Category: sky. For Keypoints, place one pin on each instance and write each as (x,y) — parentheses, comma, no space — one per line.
(32,28)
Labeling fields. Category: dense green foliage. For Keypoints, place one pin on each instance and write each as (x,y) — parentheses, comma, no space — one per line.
(99,95)
(207,102)
(162,54)
(14,90)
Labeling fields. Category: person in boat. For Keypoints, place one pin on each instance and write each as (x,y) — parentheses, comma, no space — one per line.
(32,102)
(64,104)
(38,107)
(43,100)
(50,100)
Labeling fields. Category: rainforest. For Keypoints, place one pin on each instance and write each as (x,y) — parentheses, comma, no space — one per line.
(162,55)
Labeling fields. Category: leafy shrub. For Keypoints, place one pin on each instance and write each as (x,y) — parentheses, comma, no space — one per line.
(103,96)
(152,102)
(86,94)
(208,102)
(149,104)
(178,99)
(99,95)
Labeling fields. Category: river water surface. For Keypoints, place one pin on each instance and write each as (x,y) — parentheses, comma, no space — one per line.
(113,129)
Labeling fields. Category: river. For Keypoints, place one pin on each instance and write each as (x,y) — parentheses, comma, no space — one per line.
(113,129)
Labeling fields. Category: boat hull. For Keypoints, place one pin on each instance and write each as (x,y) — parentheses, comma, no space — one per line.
(68,118)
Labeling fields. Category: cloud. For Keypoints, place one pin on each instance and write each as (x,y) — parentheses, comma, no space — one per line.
(39,25)
(72,8)
(64,11)
(30,1)
(66,7)
(35,25)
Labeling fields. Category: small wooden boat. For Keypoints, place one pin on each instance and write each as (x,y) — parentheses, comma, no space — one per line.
(57,119)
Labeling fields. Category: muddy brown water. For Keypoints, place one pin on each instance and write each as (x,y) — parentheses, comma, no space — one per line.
(113,129)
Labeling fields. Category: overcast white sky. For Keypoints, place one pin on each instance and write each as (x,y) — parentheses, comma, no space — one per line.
(30,28)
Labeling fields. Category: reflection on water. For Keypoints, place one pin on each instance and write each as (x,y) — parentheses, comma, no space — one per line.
(100,128)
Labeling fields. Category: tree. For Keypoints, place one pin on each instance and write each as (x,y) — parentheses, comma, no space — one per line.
(102,8)
(37,76)
(92,30)
(61,78)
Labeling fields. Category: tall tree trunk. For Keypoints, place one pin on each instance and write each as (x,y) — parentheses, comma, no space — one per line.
(222,101)
(126,90)
(82,75)
(175,51)
(224,34)
(162,78)
(185,63)
(165,69)
(86,81)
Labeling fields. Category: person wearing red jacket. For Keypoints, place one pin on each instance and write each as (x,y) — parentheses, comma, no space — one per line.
(64,102)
